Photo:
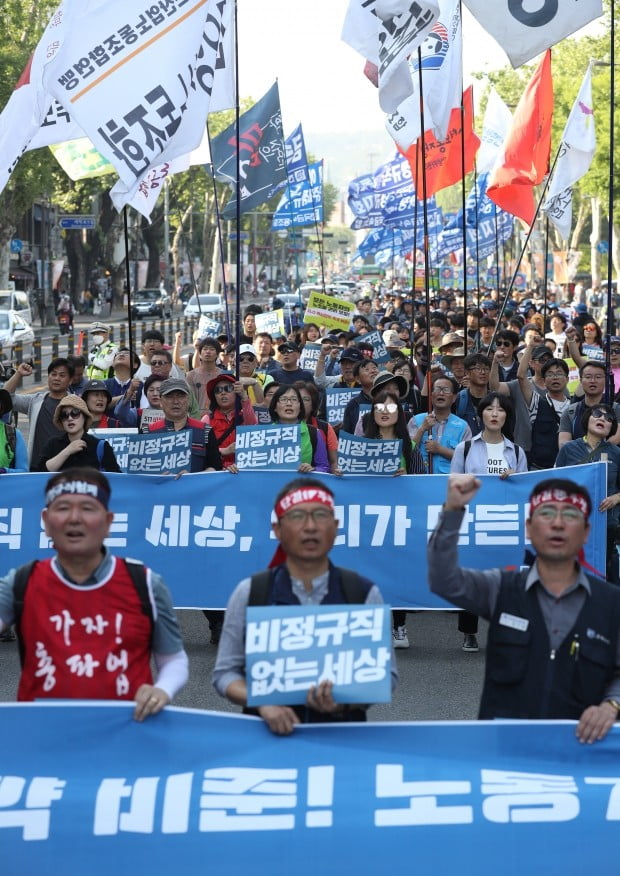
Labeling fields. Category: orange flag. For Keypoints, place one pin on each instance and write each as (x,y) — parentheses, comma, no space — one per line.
(444,164)
(524,158)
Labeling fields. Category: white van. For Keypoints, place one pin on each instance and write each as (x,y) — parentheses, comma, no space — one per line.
(13,299)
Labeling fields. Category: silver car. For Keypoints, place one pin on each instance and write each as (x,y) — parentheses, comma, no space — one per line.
(15,330)
(209,304)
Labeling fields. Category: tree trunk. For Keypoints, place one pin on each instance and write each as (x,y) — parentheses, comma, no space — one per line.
(151,236)
(176,250)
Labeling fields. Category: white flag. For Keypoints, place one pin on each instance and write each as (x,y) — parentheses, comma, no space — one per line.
(522,33)
(386,32)
(496,125)
(576,153)
(442,80)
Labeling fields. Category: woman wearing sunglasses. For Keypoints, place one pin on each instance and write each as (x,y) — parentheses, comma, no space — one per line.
(600,424)
(387,421)
(75,447)
(230,407)
(592,346)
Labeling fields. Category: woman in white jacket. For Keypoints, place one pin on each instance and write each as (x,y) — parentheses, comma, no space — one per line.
(491,451)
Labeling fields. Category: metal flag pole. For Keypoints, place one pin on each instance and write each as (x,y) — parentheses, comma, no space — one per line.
(128,281)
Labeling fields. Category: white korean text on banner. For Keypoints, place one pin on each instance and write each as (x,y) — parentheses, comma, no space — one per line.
(268,448)
(177,524)
(187,784)
(370,456)
(288,649)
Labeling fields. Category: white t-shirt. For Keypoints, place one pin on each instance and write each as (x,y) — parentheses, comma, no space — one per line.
(496,458)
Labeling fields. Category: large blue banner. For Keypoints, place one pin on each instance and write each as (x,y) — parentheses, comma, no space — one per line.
(85,789)
(204,532)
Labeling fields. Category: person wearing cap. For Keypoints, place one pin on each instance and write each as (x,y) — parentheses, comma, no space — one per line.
(101,353)
(13,450)
(75,447)
(553,642)
(98,399)
(346,378)
(392,340)
(253,380)
(229,407)
(289,371)
(117,614)
(39,406)
(174,396)
(301,573)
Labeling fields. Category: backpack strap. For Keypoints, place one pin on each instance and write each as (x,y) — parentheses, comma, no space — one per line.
(100,449)
(353,588)
(466,449)
(137,572)
(20,583)
(259,588)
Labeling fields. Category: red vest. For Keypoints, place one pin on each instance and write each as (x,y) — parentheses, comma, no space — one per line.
(83,642)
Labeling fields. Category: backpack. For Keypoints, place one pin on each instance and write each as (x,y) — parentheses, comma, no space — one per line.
(354,591)
(137,573)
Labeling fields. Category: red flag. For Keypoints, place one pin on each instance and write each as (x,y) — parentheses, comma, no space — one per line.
(524,158)
(444,163)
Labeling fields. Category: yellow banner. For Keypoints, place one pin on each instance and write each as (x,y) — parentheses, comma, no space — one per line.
(333,313)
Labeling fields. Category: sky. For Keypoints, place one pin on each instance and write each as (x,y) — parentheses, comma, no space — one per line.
(320,78)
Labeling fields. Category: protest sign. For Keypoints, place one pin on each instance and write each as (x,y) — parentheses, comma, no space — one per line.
(359,455)
(264,448)
(325,310)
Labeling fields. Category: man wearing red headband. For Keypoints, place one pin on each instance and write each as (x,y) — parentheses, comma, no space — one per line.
(300,574)
(553,643)
(88,622)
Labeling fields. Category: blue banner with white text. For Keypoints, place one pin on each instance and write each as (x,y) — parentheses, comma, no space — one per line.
(205,532)
(85,789)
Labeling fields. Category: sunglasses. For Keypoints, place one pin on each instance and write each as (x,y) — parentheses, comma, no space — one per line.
(599,413)
(246,358)
(589,328)
(503,344)
(70,414)
(223,390)
(614,351)
(388,408)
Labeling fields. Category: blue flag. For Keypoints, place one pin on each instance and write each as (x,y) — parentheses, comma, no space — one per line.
(262,167)
(302,203)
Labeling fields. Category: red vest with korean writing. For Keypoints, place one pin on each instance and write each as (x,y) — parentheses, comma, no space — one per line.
(83,642)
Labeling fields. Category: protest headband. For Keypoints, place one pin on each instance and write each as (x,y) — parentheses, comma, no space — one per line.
(574,499)
(298,497)
(77,488)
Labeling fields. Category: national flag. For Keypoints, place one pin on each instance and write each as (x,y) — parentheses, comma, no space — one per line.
(444,161)
(442,80)
(524,33)
(495,126)
(576,153)
(262,158)
(524,159)
(385,33)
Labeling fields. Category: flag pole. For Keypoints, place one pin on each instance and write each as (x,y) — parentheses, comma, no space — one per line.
(546,271)
(128,281)
(413,257)
(610,322)
(463,202)
(237,203)
(220,237)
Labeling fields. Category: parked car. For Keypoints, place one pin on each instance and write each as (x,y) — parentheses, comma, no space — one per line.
(151,302)
(15,330)
(16,300)
(208,304)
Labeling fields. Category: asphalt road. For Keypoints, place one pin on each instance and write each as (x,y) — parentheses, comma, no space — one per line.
(438,681)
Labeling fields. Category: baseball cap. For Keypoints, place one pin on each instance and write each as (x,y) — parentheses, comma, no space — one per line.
(173,384)
(288,347)
(97,386)
(540,351)
(392,339)
(352,354)
(247,348)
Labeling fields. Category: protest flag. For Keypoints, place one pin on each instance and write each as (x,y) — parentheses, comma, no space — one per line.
(524,33)
(576,154)
(262,157)
(495,126)
(441,57)
(524,158)
(444,163)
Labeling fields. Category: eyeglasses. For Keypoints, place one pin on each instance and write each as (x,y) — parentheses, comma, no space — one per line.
(288,398)
(600,413)
(299,518)
(597,375)
(553,374)
(156,363)
(568,515)
(388,408)
(70,414)
(225,388)
(443,390)
(503,344)
(482,369)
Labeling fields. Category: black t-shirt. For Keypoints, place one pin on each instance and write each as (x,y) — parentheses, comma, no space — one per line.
(44,429)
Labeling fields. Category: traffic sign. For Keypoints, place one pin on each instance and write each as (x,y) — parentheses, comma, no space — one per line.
(242,236)
(602,246)
(16,245)
(68,222)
